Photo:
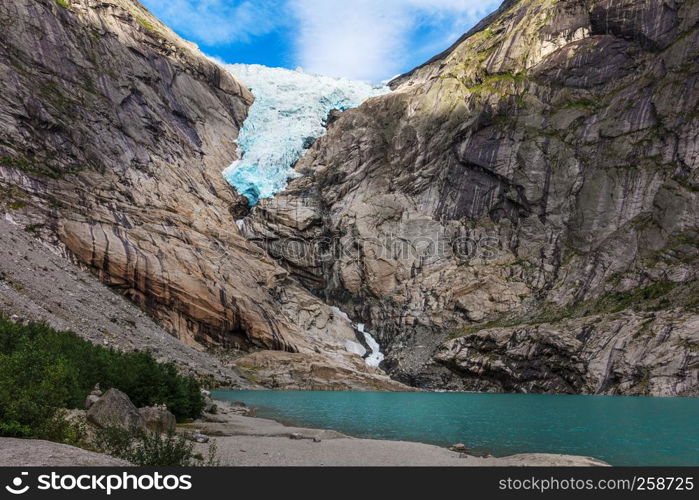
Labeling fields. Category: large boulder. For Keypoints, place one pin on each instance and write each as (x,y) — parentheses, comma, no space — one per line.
(157,418)
(115,409)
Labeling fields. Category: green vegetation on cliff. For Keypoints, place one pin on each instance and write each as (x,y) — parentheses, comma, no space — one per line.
(655,297)
(43,371)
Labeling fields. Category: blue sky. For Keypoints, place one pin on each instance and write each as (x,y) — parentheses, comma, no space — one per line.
(370,40)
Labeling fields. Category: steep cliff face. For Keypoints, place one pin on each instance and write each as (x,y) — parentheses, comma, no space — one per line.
(38,285)
(521,213)
(115,134)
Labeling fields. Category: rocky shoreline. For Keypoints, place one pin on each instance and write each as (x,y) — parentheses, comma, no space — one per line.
(245,440)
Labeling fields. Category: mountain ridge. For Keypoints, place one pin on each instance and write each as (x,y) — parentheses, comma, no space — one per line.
(564,133)
(116,134)
(519,215)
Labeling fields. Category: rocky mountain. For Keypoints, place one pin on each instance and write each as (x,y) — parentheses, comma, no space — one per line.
(38,285)
(522,212)
(115,134)
(519,214)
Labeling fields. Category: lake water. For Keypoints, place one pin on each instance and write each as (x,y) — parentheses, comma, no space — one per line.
(618,430)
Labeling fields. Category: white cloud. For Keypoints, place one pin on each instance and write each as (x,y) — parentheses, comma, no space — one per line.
(372,40)
(367,40)
(217,22)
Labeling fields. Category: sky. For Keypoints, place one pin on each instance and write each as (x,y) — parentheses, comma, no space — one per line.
(368,40)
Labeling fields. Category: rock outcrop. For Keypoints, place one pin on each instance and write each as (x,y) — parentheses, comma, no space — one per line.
(627,353)
(157,418)
(115,133)
(115,410)
(37,453)
(542,176)
(78,302)
(294,371)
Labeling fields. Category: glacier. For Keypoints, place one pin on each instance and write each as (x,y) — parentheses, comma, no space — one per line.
(288,115)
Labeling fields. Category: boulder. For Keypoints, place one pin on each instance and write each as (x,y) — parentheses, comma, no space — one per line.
(157,418)
(91,400)
(198,437)
(237,408)
(93,397)
(115,409)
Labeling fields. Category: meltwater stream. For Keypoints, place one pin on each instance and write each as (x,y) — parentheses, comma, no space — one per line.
(372,358)
(287,116)
(617,429)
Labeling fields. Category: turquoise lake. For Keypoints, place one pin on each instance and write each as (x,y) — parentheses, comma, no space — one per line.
(618,430)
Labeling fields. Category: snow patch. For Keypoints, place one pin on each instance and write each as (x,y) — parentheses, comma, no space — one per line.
(288,115)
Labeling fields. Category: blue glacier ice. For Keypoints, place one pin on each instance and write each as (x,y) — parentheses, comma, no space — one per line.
(287,117)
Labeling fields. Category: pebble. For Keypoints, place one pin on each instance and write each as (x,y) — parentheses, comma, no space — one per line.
(460,447)
(199,437)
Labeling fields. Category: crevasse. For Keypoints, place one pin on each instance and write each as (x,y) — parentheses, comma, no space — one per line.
(287,117)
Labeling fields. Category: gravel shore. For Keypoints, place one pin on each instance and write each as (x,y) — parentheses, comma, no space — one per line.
(249,441)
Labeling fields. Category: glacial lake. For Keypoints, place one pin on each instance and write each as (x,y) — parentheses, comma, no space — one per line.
(618,430)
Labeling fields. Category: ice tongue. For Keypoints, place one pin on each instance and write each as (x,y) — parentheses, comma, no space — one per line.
(287,117)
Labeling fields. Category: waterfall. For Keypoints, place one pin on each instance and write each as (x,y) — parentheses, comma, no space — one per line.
(373,358)
(376,356)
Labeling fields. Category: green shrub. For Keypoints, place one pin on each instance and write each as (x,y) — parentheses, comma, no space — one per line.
(42,371)
(151,449)
(147,25)
(62,429)
(654,297)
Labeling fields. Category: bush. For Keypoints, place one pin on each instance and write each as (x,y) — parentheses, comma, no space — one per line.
(42,371)
(151,449)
